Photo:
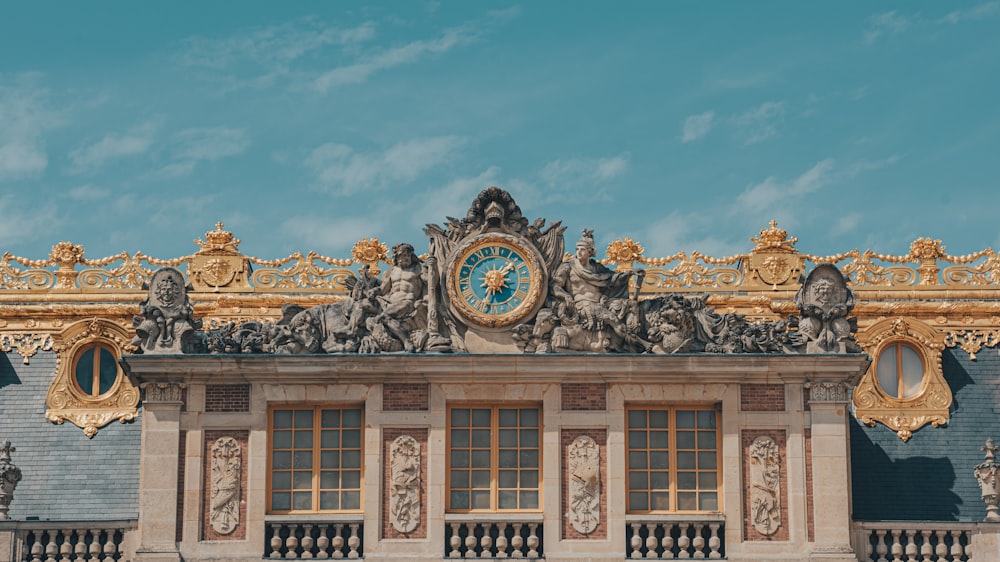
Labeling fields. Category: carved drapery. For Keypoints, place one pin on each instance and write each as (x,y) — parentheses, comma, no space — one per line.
(404,484)
(227,467)
(584,484)
(765,485)
(929,405)
(67,401)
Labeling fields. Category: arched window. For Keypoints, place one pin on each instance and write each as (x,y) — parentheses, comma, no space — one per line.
(899,370)
(95,370)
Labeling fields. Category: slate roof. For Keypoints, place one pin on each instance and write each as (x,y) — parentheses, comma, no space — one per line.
(66,476)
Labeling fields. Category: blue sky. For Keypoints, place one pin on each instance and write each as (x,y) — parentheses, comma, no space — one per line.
(685,125)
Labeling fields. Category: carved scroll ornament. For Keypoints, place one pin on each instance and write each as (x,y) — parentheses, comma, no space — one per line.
(227,467)
(404,484)
(584,484)
(765,485)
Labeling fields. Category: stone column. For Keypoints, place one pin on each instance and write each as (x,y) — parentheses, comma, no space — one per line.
(831,472)
(7,541)
(158,472)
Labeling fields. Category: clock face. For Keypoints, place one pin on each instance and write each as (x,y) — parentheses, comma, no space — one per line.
(496,281)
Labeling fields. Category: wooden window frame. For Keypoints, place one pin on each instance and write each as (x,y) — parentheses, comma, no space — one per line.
(316,450)
(672,451)
(96,345)
(899,344)
(494,455)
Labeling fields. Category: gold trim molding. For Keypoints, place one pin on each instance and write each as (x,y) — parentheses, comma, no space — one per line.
(66,402)
(931,403)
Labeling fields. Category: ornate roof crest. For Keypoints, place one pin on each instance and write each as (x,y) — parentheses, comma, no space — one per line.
(218,242)
(774,239)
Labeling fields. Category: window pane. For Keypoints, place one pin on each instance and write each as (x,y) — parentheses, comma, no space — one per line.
(687,480)
(708,481)
(281,460)
(507,499)
(660,501)
(638,501)
(460,417)
(685,419)
(708,501)
(480,418)
(636,418)
(460,479)
(481,479)
(282,419)
(637,439)
(330,438)
(328,480)
(529,500)
(508,418)
(508,459)
(529,437)
(529,478)
(686,461)
(460,459)
(352,438)
(330,418)
(303,480)
(529,459)
(302,500)
(460,438)
(109,370)
(508,438)
(706,439)
(85,371)
(481,438)
(329,500)
(913,372)
(480,500)
(706,419)
(303,418)
(659,481)
(303,439)
(350,500)
(351,479)
(638,481)
(637,459)
(658,440)
(507,479)
(685,440)
(351,459)
(329,459)
(481,459)
(459,499)
(281,501)
(886,371)
(282,439)
(281,480)
(707,460)
(687,501)
(303,459)
(529,417)
(658,419)
(352,418)
(659,460)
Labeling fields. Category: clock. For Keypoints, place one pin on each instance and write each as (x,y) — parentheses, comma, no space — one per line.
(496,280)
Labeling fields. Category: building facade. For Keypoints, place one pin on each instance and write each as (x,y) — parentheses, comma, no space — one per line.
(495,396)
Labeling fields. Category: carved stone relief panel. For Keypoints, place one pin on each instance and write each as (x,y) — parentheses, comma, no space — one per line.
(584,484)
(227,466)
(765,485)
(405,479)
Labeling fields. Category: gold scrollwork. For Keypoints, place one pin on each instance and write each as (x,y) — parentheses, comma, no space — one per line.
(66,401)
(26,345)
(972,341)
(929,404)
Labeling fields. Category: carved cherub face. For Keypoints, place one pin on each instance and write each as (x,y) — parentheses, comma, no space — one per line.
(823,291)
(166,290)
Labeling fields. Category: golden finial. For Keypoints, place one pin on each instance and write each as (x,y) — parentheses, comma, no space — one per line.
(774,239)
(218,240)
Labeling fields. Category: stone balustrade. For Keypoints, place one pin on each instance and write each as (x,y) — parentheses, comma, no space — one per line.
(672,538)
(493,539)
(314,539)
(73,542)
(909,542)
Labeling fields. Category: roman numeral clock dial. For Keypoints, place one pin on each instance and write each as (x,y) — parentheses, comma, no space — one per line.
(496,280)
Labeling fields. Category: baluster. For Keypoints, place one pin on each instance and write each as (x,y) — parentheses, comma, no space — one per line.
(911,545)
(897,546)
(110,548)
(635,542)
(968,553)
(470,541)
(941,549)
(699,541)
(651,541)
(322,543)
(881,548)
(502,540)
(486,543)
(275,541)
(517,541)
(354,542)
(714,542)
(667,542)
(338,540)
(307,541)
(532,540)
(684,542)
(50,547)
(956,545)
(455,542)
(80,547)
(925,549)
(292,542)
(36,549)
(66,548)
(95,544)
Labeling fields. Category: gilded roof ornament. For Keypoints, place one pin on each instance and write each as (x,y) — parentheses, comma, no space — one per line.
(926,249)
(370,252)
(218,242)
(624,252)
(774,239)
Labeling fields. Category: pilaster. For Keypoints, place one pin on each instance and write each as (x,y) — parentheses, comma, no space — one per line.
(831,471)
(158,472)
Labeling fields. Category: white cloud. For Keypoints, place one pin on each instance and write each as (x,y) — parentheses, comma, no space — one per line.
(340,168)
(25,115)
(687,232)
(87,193)
(575,171)
(330,234)
(887,23)
(449,200)
(697,126)
(411,52)
(977,12)
(207,144)
(767,193)
(760,123)
(846,224)
(112,146)
(23,222)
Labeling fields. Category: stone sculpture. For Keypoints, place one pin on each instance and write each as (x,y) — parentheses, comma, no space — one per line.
(824,301)
(584,484)
(404,484)
(227,467)
(10,475)
(986,475)
(165,323)
(765,483)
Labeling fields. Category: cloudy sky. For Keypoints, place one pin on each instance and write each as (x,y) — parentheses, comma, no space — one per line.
(685,125)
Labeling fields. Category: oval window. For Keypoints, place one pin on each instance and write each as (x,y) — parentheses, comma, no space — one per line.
(96,370)
(899,370)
